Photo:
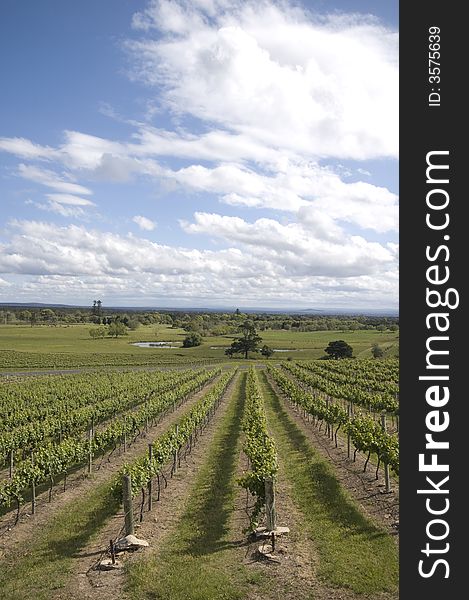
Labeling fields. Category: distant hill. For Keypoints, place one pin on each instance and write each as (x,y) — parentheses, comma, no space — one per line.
(381,312)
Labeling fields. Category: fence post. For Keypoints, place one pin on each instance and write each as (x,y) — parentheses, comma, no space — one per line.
(327,424)
(12,459)
(127,501)
(175,465)
(386,466)
(150,483)
(90,450)
(271,517)
(33,488)
(349,414)
(113,554)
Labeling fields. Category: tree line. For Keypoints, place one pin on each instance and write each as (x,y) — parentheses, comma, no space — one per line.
(205,323)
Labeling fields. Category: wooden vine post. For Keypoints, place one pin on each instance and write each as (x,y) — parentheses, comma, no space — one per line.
(150,483)
(175,464)
(271,517)
(127,501)
(349,413)
(33,488)
(90,450)
(386,466)
(327,424)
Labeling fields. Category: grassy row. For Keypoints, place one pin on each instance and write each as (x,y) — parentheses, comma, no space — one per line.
(354,553)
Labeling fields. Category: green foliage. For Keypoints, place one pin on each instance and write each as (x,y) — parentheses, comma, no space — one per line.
(116,328)
(248,342)
(192,340)
(142,470)
(339,349)
(366,434)
(98,332)
(266,351)
(364,385)
(55,458)
(259,447)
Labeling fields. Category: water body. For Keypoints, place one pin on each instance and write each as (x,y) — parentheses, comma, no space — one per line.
(154,345)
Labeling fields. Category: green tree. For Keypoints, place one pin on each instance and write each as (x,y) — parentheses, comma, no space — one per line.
(192,340)
(133,323)
(339,349)
(377,351)
(248,342)
(229,352)
(116,328)
(266,351)
(25,315)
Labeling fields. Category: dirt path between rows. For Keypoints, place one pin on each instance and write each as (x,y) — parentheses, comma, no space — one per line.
(13,539)
(87,583)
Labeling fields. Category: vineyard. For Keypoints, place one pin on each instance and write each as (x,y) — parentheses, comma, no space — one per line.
(59,360)
(194,460)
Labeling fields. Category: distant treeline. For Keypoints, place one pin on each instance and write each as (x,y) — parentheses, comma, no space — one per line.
(205,323)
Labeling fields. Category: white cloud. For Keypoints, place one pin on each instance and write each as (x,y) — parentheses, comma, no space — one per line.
(24,148)
(69,199)
(144,223)
(64,211)
(322,87)
(85,151)
(294,249)
(260,96)
(304,188)
(52,180)
(263,259)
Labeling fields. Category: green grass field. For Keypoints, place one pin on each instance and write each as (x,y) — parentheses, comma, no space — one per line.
(75,340)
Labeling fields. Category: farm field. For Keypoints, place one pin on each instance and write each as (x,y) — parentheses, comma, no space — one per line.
(23,347)
(210,429)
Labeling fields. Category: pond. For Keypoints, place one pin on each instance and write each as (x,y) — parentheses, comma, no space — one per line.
(154,345)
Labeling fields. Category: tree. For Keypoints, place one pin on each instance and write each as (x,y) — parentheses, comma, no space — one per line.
(25,315)
(98,332)
(377,351)
(116,328)
(133,323)
(248,342)
(192,340)
(266,351)
(339,349)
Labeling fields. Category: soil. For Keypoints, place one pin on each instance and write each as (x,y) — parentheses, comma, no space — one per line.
(292,572)
(13,537)
(87,582)
(381,507)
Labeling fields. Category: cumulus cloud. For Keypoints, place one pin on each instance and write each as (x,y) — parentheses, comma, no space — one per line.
(251,267)
(257,99)
(322,87)
(294,249)
(297,188)
(144,223)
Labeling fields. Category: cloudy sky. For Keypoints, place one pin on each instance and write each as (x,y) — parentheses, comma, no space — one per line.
(200,153)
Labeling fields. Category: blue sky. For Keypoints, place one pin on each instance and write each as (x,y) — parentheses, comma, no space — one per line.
(203,153)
